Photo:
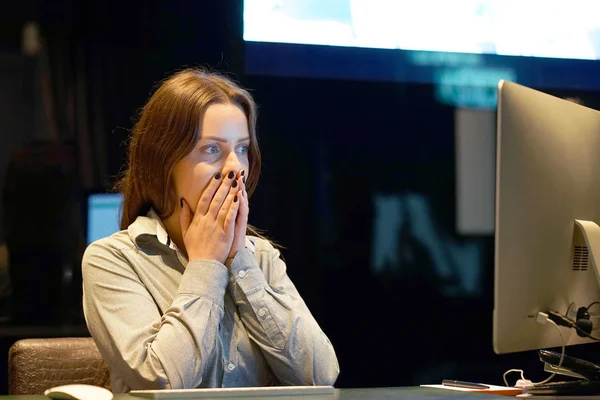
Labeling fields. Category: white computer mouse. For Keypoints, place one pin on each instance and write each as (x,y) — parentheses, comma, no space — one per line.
(79,392)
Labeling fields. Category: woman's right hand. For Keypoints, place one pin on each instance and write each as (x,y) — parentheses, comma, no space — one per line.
(208,232)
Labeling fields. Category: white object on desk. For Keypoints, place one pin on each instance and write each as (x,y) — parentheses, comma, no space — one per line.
(207,393)
(79,392)
(492,389)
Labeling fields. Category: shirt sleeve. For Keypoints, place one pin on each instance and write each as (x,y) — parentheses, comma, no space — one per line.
(147,349)
(279,322)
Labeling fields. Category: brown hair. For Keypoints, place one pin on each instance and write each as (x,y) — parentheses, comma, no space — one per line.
(167,129)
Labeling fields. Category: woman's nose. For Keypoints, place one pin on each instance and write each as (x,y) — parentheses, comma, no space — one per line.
(233,163)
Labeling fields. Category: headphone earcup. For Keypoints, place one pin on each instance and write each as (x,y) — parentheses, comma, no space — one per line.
(582,313)
(583,322)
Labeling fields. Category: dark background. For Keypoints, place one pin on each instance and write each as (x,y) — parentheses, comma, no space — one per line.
(328,145)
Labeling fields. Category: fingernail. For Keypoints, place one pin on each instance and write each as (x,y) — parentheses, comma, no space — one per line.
(231,175)
(242,172)
(234,184)
(181,202)
(244,180)
(235,199)
(218,175)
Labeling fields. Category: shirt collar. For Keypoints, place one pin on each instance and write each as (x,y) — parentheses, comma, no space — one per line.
(150,225)
(146,226)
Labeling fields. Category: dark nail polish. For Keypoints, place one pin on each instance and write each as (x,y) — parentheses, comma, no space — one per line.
(181,202)
(235,199)
(231,175)
(244,180)
(243,172)
(218,176)
(234,184)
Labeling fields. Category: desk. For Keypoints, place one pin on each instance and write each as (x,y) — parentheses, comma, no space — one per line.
(404,393)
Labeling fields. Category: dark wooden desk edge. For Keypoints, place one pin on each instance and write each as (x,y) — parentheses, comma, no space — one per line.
(405,393)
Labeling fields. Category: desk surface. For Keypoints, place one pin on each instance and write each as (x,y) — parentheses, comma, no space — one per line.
(404,393)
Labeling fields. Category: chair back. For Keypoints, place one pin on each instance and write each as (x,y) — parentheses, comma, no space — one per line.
(35,365)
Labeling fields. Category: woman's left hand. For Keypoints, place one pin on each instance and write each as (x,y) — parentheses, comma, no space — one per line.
(241,222)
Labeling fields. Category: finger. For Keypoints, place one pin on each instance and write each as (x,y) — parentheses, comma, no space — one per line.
(244,192)
(244,210)
(185,216)
(219,198)
(241,223)
(229,225)
(208,194)
(234,190)
(242,183)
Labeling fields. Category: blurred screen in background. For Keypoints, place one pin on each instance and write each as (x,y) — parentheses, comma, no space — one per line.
(103,215)
(464,47)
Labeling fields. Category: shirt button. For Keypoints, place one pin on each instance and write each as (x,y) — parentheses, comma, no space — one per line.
(262,312)
(231,367)
(242,274)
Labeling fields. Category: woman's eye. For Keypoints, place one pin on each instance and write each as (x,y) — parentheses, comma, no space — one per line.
(213,149)
(243,149)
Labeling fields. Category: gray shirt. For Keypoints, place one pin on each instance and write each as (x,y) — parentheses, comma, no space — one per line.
(162,322)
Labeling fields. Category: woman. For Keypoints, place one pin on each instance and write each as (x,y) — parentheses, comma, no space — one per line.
(182,297)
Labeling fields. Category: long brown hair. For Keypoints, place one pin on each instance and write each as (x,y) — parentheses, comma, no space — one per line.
(167,129)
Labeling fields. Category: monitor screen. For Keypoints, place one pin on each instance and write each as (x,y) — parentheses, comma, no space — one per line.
(103,215)
(547,241)
(452,44)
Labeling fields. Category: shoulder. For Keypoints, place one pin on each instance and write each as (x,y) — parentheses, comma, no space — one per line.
(267,255)
(269,259)
(107,251)
(262,247)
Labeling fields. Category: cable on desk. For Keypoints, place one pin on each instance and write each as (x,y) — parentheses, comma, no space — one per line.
(543,318)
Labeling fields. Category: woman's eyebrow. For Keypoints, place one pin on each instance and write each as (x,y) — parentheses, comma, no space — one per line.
(219,139)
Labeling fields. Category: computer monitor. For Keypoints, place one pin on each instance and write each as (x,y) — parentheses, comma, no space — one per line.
(103,215)
(547,179)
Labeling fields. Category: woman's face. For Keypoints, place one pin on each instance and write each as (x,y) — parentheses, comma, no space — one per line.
(223,147)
